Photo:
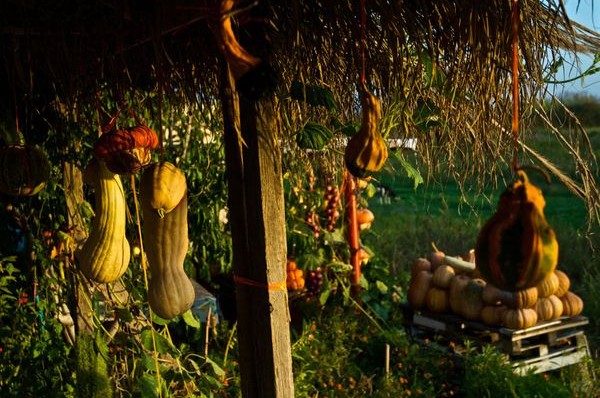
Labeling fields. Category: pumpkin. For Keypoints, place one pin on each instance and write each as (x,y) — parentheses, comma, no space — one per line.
(492,315)
(564,283)
(519,318)
(517,248)
(572,304)
(442,276)
(436,259)
(548,286)
(105,255)
(549,308)
(126,151)
(294,275)
(437,300)
(170,292)
(472,299)
(168,186)
(364,218)
(418,288)
(524,298)
(25,170)
(455,292)
(420,264)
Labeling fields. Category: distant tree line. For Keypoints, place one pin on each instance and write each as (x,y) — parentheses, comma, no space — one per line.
(585,106)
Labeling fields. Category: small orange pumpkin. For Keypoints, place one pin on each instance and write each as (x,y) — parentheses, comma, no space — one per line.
(364,218)
(520,318)
(564,283)
(437,300)
(548,286)
(455,292)
(420,264)
(436,259)
(549,308)
(442,276)
(418,288)
(523,298)
(572,304)
(126,151)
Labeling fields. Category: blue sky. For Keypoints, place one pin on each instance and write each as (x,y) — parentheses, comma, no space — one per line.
(586,13)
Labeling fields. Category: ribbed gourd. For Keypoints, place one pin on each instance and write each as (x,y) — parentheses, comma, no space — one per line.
(170,291)
(366,151)
(517,248)
(105,255)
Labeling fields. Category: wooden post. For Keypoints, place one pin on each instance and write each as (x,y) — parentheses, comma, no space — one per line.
(256,205)
(73,182)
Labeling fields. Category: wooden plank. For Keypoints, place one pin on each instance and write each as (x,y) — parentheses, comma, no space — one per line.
(256,204)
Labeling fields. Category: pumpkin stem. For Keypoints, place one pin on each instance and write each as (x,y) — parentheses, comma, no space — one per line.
(523,176)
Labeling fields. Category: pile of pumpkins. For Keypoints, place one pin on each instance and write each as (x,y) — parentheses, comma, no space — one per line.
(438,287)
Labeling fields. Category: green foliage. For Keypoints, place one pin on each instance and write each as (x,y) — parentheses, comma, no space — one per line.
(313,136)
(92,375)
(313,95)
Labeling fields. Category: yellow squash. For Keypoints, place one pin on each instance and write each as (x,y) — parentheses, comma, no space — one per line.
(105,255)
(170,292)
(168,186)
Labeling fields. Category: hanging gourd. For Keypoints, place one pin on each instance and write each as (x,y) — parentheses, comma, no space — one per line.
(125,151)
(168,186)
(517,248)
(366,151)
(170,292)
(105,255)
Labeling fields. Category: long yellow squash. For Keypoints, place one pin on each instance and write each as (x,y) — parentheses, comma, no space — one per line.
(105,255)
(170,292)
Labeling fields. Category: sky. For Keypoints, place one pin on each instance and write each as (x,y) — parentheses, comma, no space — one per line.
(586,13)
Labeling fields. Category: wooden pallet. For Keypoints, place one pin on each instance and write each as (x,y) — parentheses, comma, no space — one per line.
(541,348)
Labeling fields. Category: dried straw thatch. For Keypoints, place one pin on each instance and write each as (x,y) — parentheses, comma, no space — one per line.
(443,62)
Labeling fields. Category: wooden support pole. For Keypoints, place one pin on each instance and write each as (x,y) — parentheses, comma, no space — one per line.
(256,205)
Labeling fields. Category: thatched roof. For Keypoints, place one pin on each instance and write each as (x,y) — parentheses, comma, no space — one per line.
(447,62)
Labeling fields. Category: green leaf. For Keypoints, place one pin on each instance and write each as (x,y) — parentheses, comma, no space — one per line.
(216,368)
(324,296)
(411,172)
(163,346)
(160,321)
(190,319)
(382,287)
(313,136)
(148,362)
(313,95)
(148,386)
(350,129)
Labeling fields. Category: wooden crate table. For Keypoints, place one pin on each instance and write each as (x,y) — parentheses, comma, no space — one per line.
(546,346)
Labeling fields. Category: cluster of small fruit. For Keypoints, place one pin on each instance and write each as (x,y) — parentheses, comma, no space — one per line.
(314,281)
(332,197)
